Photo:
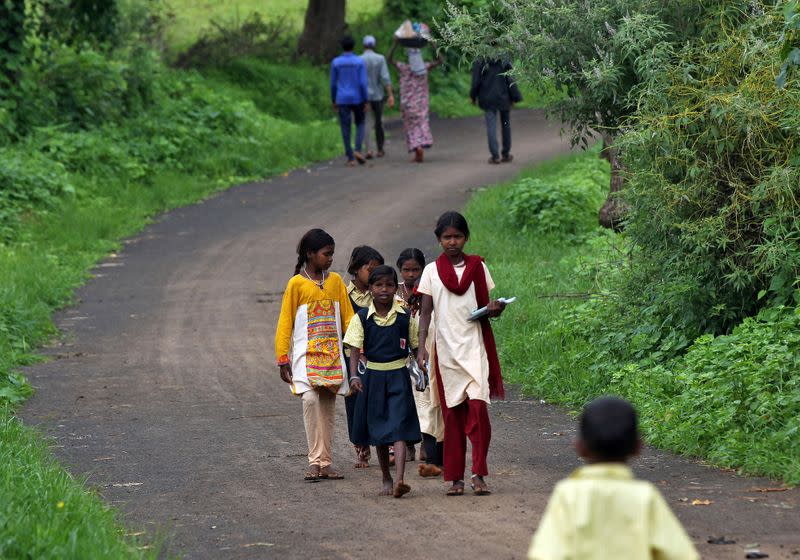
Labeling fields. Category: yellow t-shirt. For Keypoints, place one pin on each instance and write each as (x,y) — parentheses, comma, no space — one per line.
(602,513)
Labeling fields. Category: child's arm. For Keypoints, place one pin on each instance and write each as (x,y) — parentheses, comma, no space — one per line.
(426,309)
(669,540)
(355,379)
(283,333)
(551,540)
(354,339)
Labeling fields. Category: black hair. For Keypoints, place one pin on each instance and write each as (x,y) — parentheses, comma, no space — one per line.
(608,428)
(451,219)
(411,254)
(313,240)
(348,43)
(382,271)
(362,255)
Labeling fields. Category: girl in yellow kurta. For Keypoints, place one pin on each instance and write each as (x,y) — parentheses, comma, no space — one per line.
(316,310)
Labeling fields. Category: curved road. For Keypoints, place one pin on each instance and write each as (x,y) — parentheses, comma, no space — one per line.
(164,392)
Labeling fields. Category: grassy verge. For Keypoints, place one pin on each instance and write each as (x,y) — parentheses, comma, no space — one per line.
(45,513)
(547,274)
(97,187)
(192,18)
(732,399)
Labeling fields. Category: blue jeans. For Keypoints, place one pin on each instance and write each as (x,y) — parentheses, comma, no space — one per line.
(491,132)
(345,123)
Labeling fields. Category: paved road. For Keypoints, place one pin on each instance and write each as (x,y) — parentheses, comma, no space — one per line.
(163,391)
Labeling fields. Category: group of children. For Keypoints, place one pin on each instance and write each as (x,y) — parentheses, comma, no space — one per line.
(358,340)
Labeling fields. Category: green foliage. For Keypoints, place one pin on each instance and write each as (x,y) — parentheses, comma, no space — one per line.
(734,398)
(790,47)
(600,53)
(563,204)
(28,181)
(46,514)
(714,192)
(265,82)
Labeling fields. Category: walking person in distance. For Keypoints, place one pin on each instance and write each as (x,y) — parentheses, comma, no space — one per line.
(495,91)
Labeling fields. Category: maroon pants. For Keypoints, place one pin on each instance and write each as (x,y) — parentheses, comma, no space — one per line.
(470,419)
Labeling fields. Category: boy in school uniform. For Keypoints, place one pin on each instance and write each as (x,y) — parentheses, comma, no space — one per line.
(601,511)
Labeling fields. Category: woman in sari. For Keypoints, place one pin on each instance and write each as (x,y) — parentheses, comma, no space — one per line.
(414,99)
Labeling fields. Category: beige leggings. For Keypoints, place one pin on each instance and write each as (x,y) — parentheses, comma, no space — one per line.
(319,407)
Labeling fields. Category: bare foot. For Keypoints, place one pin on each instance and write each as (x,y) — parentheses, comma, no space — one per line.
(429,471)
(401,489)
(361,465)
(388,488)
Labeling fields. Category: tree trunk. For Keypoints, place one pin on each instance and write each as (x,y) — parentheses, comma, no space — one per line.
(324,28)
(613,212)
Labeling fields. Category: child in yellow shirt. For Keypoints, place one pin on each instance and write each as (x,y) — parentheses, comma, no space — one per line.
(602,512)
(315,312)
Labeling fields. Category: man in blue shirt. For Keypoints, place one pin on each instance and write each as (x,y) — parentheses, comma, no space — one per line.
(349,96)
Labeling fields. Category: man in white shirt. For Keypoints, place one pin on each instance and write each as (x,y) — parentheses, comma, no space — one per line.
(378,81)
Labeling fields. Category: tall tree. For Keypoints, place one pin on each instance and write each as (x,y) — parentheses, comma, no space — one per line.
(324,27)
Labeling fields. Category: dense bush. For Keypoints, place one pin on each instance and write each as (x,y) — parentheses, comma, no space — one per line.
(716,158)
(734,398)
(28,180)
(563,204)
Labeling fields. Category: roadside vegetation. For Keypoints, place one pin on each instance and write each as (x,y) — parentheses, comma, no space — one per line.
(692,311)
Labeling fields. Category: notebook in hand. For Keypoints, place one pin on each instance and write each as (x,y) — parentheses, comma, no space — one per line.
(482,312)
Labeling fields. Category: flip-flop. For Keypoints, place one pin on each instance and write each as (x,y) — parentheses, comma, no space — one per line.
(456,490)
(401,489)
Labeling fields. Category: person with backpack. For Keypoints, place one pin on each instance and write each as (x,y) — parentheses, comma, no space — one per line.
(495,91)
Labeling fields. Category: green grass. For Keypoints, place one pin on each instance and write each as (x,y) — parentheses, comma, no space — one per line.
(192,17)
(45,513)
(547,274)
(731,399)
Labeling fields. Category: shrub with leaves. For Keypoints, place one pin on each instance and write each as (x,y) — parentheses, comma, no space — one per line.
(564,204)
(28,180)
(734,398)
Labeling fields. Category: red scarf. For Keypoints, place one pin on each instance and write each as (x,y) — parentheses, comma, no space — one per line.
(474,273)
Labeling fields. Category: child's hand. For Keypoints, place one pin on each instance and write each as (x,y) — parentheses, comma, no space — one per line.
(422,359)
(286,373)
(355,384)
(495,308)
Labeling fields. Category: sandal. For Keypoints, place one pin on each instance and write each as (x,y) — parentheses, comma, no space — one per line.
(401,489)
(494,160)
(480,489)
(457,489)
(360,158)
(312,475)
(329,474)
(381,153)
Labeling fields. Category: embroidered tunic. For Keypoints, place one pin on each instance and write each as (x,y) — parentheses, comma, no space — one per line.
(309,333)
(463,364)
